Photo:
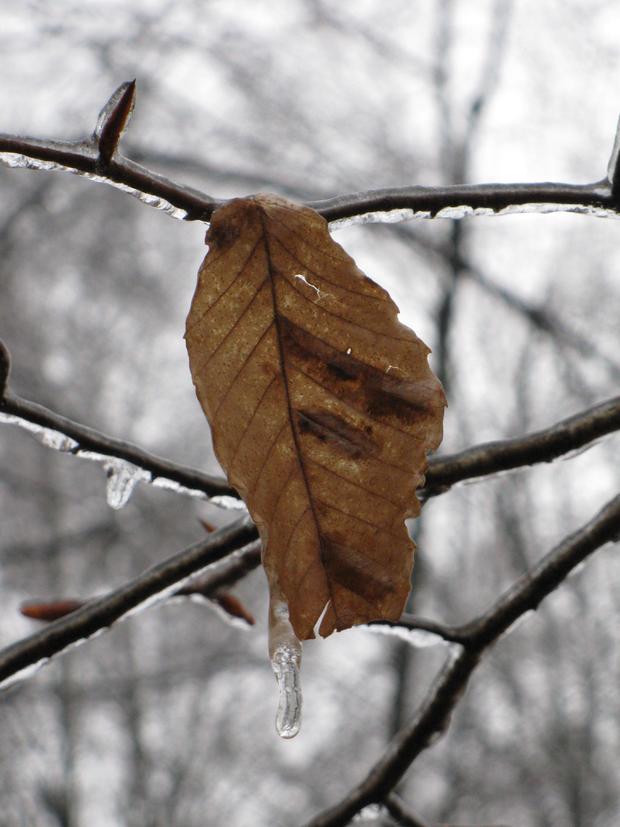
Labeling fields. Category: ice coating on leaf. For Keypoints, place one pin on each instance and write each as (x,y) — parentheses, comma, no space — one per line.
(122,479)
(285,655)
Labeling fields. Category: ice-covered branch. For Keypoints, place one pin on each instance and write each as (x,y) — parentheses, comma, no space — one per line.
(542,446)
(153,585)
(64,434)
(97,157)
(433,715)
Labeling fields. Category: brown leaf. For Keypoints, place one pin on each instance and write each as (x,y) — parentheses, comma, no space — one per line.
(322,407)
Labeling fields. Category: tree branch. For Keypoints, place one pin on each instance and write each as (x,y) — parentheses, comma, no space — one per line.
(92,441)
(442,473)
(154,584)
(542,446)
(97,157)
(401,814)
(433,715)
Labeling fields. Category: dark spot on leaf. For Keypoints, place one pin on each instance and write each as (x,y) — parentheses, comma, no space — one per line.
(351,569)
(330,428)
(222,234)
(341,370)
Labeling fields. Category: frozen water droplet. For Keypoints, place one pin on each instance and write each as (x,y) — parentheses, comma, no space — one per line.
(122,479)
(285,653)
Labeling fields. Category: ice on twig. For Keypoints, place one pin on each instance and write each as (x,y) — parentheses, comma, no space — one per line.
(285,654)
(419,638)
(122,479)
(172,485)
(227,502)
(15,160)
(372,814)
(463,211)
(50,438)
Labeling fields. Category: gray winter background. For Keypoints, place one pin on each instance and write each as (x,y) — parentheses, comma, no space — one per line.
(168,719)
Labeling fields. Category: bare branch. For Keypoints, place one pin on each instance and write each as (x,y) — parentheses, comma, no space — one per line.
(90,157)
(541,446)
(433,715)
(154,584)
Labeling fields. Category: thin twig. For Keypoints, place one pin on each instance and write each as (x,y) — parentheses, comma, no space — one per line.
(542,446)
(156,582)
(88,157)
(401,814)
(433,715)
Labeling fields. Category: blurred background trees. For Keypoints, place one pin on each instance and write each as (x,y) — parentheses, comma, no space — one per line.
(168,719)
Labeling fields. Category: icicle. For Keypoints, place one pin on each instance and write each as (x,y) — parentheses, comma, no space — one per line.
(122,479)
(285,654)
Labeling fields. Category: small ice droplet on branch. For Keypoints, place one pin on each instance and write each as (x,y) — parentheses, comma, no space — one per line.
(122,479)
(285,654)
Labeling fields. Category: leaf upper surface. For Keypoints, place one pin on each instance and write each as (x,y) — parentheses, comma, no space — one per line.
(322,407)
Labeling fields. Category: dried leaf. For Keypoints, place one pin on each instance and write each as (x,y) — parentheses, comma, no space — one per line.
(322,408)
